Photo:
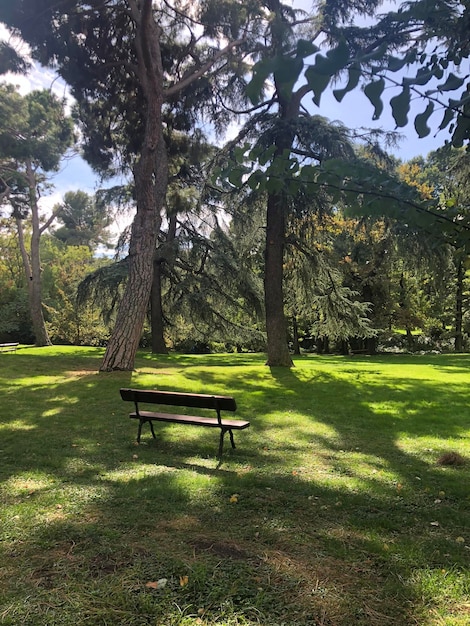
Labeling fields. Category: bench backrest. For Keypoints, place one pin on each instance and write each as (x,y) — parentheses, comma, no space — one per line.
(176,398)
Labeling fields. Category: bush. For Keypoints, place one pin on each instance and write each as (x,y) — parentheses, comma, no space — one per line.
(15,321)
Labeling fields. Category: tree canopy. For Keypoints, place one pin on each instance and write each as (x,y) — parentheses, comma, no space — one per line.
(140,71)
(35,134)
(115,57)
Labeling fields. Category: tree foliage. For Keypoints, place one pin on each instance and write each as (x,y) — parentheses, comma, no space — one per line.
(142,72)
(419,52)
(11,60)
(115,57)
(295,157)
(85,220)
(35,133)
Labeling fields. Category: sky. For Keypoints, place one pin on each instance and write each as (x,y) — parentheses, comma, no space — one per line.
(355,111)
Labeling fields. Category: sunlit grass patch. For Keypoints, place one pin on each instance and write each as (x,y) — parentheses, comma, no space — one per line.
(27,483)
(442,592)
(333,509)
(18,425)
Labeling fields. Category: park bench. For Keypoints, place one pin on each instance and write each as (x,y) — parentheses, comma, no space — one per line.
(187,400)
(8,347)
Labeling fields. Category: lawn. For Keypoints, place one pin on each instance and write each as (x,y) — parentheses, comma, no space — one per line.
(335,509)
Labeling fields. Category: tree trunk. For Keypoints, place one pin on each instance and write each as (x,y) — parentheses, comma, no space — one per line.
(459,307)
(156,310)
(165,254)
(295,335)
(123,344)
(32,264)
(276,324)
(289,106)
(371,345)
(409,339)
(151,179)
(344,347)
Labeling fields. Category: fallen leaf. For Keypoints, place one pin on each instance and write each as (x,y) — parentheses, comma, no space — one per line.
(157,584)
(234,498)
(152,585)
(183,581)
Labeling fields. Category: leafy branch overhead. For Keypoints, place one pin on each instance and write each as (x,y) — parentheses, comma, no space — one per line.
(420,52)
(356,185)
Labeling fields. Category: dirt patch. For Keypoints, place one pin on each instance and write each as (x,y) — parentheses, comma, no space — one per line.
(227,550)
(81,373)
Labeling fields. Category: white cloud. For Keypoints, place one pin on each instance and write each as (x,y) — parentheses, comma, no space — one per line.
(38,77)
(47,203)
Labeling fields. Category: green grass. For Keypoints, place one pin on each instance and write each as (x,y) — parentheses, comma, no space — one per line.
(331,511)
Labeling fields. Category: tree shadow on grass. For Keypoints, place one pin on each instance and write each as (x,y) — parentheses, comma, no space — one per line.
(294,527)
(274,554)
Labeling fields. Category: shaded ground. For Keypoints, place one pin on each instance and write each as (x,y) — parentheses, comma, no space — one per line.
(331,511)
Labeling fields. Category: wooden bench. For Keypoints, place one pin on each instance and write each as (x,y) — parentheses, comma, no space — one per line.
(188,400)
(8,347)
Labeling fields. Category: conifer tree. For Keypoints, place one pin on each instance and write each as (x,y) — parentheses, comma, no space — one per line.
(113,56)
(35,135)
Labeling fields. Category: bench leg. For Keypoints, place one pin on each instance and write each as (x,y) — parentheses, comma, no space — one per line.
(139,432)
(221,443)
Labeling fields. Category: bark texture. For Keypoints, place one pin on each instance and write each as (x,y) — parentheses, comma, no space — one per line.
(276,324)
(165,256)
(151,178)
(156,310)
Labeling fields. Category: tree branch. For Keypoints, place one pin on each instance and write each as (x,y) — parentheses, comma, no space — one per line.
(50,219)
(185,82)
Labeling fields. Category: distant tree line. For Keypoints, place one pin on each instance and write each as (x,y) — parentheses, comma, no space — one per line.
(352,284)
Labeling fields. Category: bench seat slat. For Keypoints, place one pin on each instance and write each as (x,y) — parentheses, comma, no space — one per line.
(177,398)
(196,420)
